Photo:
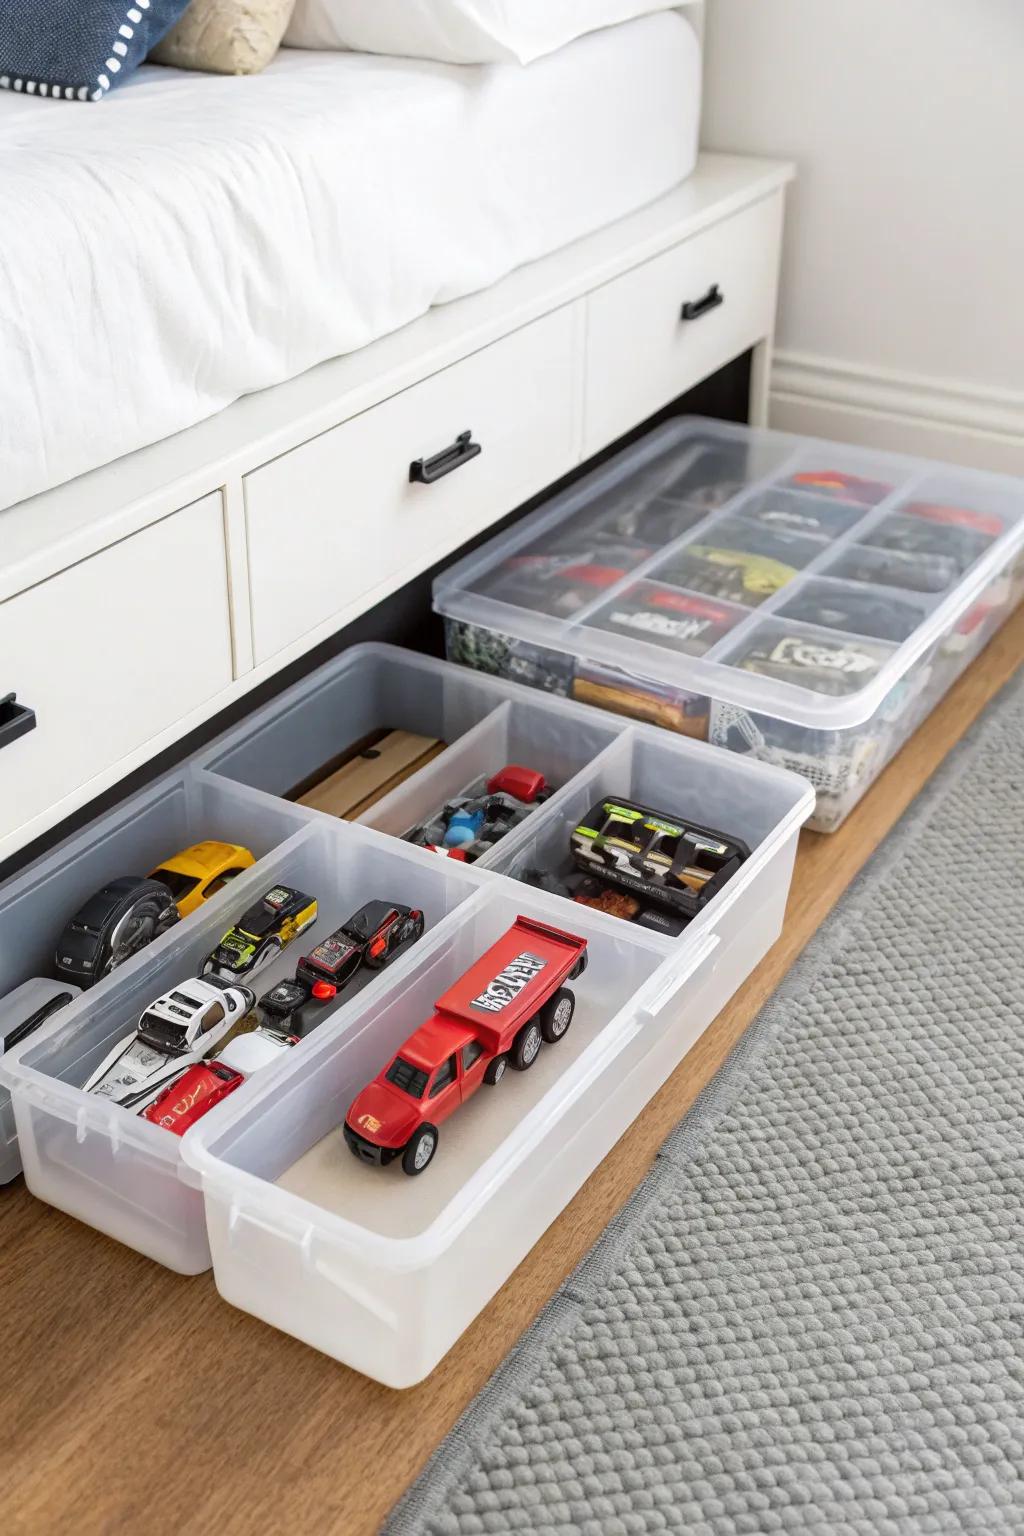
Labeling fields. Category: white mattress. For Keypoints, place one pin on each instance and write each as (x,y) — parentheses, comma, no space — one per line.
(193,238)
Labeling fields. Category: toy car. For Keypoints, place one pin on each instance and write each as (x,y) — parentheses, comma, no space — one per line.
(834,482)
(177,1029)
(198,1090)
(483,814)
(114,924)
(259,936)
(731,575)
(657,858)
(854,611)
(199,872)
(986,523)
(680,621)
(373,936)
(496,1015)
(832,667)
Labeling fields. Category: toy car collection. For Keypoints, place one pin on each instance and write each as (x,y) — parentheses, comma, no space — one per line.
(199,872)
(496,1015)
(262,932)
(179,1028)
(373,936)
(199,1089)
(289,1012)
(111,926)
(471,823)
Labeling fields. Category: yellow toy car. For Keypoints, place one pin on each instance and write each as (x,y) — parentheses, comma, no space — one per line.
(199,872)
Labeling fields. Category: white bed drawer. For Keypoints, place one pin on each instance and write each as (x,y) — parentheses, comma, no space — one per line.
(642,353)
(111,652)
(337,524)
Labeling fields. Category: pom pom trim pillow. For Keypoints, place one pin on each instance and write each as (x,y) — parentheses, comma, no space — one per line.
(78,49)
(458,31)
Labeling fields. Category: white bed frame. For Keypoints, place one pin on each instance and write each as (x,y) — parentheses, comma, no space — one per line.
(141,599)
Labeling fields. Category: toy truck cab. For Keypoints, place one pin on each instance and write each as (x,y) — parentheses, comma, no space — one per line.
(496,1015)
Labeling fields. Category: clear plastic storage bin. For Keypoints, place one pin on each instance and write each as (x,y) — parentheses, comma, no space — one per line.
(381,1271)
(121,1174)
(805,603)
(183,808)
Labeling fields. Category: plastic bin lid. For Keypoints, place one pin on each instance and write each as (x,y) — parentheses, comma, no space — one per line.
(789,576)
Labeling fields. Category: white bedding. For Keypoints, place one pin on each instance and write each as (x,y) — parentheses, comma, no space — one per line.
(193,238)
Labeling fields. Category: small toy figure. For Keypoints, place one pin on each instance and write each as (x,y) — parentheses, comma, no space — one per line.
(463,827)
(483,814)
(199,872)
(262,932)
(177,1030)
(495,1016)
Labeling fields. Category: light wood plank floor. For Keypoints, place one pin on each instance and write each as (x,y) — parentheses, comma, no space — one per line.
(134,1400)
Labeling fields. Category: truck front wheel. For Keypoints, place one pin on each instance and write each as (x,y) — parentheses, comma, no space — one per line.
(525,1046)
(495,1070)
(419,1150)
(556,1015)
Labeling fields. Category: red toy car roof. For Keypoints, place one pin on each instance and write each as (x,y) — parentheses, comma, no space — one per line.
(435,1041)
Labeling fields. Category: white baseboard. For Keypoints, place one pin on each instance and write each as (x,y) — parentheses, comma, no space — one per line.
(939,418)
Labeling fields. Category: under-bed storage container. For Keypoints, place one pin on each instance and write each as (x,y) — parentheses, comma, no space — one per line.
(116,1171)
(185,807)
(802,602)
(384,1272)
(387,1282)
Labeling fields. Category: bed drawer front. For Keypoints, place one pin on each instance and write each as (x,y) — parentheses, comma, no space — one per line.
(338,524)
(642,353)
(110,653)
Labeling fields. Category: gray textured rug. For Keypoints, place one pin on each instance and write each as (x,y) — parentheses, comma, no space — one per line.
(810,1316)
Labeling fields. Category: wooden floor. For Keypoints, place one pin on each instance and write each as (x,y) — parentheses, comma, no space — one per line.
(134,1400)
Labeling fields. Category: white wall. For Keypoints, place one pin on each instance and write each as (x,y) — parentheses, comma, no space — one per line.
(902,313)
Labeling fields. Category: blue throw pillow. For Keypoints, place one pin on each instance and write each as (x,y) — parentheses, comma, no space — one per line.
(78,49)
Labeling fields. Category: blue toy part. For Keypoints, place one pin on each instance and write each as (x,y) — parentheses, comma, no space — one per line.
(463,828)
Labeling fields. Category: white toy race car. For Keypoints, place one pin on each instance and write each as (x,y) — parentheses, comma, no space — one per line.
(176,1030)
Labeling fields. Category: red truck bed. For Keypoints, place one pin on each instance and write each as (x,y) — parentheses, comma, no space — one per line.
(510,981)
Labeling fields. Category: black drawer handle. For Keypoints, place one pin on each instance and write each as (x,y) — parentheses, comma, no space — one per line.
(694,308)
(15,720)
(426,471)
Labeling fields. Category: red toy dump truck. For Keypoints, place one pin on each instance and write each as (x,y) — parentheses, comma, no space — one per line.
(496,1015)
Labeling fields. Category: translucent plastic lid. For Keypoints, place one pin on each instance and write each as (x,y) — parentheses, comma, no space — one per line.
(787,575)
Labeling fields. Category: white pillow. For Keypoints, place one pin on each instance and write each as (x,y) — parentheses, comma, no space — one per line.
(458,31)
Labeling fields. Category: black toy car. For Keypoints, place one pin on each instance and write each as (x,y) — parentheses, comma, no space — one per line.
(111,926)
(372,937)
(855,611)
